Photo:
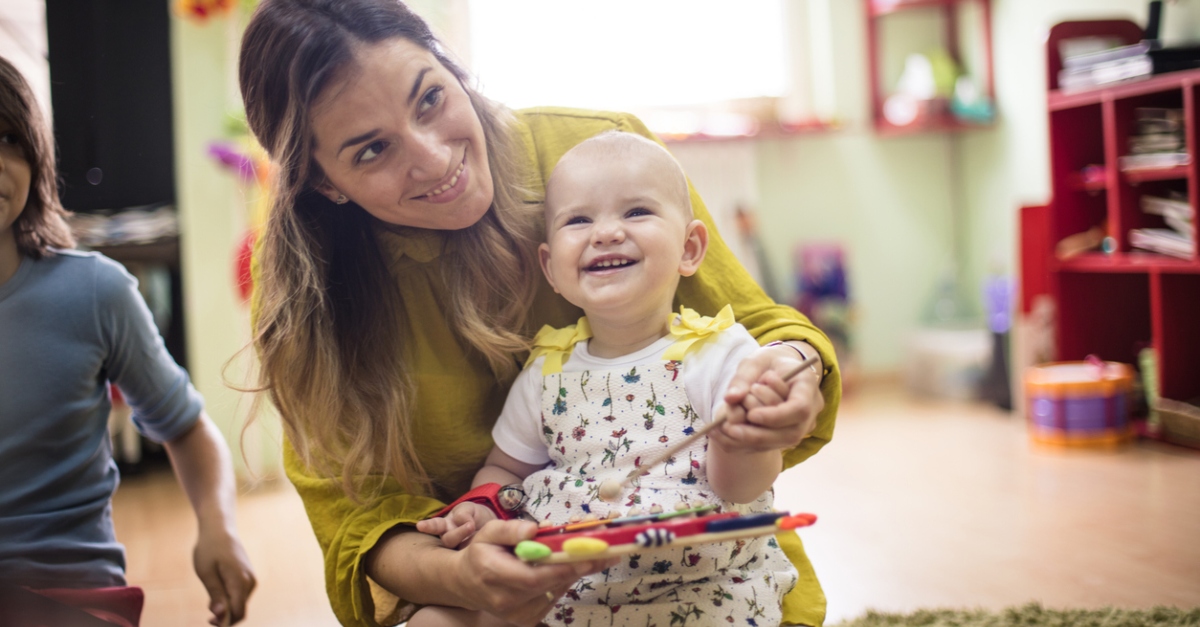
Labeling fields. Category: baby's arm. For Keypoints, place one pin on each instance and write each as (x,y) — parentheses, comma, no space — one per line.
(202,464)
(457,528)
(738,472)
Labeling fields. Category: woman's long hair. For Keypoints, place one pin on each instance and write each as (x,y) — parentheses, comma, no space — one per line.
(42,224)
(330,332)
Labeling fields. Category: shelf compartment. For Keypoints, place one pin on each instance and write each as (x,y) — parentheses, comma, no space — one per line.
(897,28)
(1107,315)
(1077,142)
(1178,335)
(1124,208)
(1132,214)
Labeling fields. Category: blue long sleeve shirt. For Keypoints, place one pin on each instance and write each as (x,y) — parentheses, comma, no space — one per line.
(69,323)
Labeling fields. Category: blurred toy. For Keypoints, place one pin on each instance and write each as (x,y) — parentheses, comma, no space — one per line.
(1079,403)
(969,104)
(997,297)
(822,294)
(245,159)
(602,539)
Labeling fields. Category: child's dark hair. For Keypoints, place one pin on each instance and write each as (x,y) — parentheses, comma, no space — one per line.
(43,223)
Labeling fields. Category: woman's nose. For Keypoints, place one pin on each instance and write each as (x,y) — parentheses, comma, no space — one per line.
(429,156)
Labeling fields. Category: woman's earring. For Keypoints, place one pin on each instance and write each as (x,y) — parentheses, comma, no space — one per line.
(341,199)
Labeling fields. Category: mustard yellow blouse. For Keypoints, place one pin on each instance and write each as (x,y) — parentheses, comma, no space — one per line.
(458,397)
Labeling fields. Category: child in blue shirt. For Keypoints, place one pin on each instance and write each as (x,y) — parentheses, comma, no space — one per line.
(70,322)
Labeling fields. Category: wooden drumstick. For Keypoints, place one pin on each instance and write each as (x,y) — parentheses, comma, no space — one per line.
(611,489)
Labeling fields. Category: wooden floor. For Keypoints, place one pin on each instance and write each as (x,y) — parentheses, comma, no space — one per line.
(920,504)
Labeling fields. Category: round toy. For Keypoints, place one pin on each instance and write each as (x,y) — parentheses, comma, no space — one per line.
(1079,403)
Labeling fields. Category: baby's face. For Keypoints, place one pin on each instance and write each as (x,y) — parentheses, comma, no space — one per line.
(616,230)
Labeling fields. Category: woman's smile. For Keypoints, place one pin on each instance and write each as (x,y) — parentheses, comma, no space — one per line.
(451,188)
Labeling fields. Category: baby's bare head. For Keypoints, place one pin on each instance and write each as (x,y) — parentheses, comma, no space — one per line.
(613,155)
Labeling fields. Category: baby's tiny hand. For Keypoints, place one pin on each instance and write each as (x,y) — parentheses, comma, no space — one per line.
(457,528)
(740,433)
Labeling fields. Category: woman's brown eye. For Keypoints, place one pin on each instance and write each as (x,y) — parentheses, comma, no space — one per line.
(432,98)
(371,152)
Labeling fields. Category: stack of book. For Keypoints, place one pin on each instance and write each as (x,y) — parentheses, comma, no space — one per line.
(1157,140)
(1178,239)
(1102,67)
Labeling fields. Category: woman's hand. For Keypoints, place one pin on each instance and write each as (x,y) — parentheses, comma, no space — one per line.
(769,413)
(500,584)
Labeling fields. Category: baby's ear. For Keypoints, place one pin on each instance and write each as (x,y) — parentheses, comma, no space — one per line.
(695,245)
(544,261)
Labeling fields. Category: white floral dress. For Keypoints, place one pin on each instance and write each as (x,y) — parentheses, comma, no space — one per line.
(598,423)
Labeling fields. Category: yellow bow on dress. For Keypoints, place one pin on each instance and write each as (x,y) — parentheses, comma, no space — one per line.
(557,344)
(689,328)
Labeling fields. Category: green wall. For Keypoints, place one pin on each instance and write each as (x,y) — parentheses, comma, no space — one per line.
(212,215)
(889,201)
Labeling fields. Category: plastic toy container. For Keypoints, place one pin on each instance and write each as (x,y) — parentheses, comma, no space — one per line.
(1079,403)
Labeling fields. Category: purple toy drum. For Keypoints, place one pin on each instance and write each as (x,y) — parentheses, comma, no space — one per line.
(1079,403)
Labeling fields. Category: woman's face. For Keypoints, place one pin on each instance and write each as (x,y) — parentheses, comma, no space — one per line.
(397,134)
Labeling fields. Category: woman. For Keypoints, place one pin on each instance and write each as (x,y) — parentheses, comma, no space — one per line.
(397,291)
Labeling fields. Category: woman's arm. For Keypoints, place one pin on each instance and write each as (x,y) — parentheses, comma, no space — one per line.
(377,539)
(484,576)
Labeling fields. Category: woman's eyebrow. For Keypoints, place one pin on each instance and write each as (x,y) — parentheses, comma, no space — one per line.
(357,139)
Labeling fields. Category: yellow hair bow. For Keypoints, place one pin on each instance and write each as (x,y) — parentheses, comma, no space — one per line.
(557,344)
(689,328)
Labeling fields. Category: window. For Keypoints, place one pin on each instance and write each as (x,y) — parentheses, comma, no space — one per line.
(688,63)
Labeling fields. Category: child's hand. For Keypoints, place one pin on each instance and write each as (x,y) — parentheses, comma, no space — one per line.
(739,434)
(767,413)
(224,569)
(457,528)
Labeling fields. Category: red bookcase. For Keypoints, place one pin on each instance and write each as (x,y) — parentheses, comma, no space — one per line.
(1113,304)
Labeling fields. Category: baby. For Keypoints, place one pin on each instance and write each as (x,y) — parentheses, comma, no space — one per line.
(629,380)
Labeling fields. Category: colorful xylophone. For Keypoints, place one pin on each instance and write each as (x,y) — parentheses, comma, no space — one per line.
(604,538)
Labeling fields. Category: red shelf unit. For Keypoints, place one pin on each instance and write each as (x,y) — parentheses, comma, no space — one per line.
(1112,305)
(942,120)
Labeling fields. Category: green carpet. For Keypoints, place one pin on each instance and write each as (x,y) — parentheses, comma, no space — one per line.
(1032,615)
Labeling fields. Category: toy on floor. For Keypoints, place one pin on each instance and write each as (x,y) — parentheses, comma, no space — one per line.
(1079,403)
(687,526)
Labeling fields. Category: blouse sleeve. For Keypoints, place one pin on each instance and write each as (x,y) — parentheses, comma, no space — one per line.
(722,281)
(347,531)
